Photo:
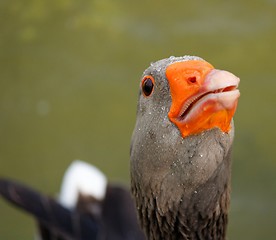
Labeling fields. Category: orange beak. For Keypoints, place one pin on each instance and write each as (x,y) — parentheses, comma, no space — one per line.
(202,97)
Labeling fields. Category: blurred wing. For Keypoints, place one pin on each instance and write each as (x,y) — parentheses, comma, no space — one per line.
(54,219)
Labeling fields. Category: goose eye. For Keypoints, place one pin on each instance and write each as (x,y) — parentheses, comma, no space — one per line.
(147,85)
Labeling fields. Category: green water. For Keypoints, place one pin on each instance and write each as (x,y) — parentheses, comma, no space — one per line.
(69,76)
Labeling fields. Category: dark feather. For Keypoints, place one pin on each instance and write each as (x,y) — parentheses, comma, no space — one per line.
(114,218)
(54,219)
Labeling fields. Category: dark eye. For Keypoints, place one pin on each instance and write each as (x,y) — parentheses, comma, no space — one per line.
(147,85)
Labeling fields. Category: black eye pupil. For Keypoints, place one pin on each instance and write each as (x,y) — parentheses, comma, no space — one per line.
(147,86)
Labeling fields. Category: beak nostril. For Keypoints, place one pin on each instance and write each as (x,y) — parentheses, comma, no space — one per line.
(192,79)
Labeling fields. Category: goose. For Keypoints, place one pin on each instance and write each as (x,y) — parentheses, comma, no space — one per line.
(181,149)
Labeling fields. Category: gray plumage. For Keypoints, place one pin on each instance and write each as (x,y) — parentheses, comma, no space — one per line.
(181,185)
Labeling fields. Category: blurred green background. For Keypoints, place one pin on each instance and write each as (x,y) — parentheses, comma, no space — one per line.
(69,77)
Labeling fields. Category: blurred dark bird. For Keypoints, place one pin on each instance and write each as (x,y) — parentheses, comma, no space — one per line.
(180,165)
(88,207)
